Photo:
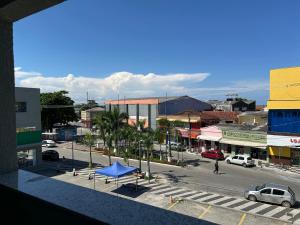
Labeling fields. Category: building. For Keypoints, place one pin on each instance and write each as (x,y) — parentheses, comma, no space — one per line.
(233,105)
(223,117)
(284,116)
(28,125)
(149,109)
(256,118)
(89,115)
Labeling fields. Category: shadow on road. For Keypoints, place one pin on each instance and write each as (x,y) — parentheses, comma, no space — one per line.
(130,190)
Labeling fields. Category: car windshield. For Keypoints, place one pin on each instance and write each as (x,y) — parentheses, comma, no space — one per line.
(258,188)
(249,158)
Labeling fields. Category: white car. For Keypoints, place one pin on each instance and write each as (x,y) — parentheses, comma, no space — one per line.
(243,160)
(48,143)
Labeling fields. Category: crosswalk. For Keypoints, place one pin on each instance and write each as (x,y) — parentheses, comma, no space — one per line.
(235,203)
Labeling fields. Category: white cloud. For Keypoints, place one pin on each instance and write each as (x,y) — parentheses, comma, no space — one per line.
(134,85)
(122,83)
(19,73)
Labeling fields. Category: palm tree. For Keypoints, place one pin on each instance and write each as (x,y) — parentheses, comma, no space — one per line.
(159,137)
(89,140)
(116,120)
(148,138)
(101,125)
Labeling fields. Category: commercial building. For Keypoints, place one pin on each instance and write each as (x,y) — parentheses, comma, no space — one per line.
(149,109)
(235,139)
(28,125)
(89,115)
(284,116)
(233,105)
(256,118)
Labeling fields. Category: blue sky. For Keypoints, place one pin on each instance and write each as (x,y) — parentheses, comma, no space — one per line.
(202,48)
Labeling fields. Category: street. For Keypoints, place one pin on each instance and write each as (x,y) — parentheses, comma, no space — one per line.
(232,180)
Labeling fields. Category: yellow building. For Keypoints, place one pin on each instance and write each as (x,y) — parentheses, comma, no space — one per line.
(284,116)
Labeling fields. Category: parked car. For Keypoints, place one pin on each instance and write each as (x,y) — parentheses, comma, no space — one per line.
(272,193)
(176,145)
(213,154)
(48,143)
(243,160)
(50,155)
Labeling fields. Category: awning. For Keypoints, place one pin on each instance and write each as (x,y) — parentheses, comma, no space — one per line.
(208,138)
(243,143)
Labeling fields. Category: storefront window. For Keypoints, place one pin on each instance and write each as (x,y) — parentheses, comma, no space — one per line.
(295,156)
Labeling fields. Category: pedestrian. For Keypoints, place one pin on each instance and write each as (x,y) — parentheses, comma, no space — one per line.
(216,171)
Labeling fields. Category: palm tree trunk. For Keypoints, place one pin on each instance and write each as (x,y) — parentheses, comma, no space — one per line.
(91,162)
(160,152)
(148,165)
(109,157)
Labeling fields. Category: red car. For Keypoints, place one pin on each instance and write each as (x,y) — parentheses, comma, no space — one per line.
(213,154)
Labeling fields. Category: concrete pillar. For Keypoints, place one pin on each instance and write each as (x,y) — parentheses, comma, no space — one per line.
(137,113)
(8,152)
(149,116)
(38,155)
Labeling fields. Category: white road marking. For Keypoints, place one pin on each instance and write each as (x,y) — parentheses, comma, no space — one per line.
(245,205)
(257,209)
(232,202)
(207,197)
(196,195)
(274,211)
(220,199)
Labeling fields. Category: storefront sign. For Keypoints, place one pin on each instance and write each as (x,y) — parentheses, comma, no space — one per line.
(278,140)
(245,136)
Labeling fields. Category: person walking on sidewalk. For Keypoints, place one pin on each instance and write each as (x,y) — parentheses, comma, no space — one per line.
(216,171)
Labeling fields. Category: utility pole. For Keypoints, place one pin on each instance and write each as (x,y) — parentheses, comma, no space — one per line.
(140,157)
(72,152)
(189,132)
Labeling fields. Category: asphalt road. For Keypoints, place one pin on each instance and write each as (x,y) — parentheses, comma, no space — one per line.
(232,180)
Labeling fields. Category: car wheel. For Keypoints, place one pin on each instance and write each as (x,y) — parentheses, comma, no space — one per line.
(252,198)
(228,161)
(286,204)
(244,165)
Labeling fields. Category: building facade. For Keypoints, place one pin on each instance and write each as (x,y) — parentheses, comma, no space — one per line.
(88,116)
(284,116)
(149,109)
(233,105)
(28,125)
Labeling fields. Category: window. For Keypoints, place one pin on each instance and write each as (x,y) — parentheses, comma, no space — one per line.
(266,191)
(235,157)
(249,158)
(21,107)
(241,158)
(278,192)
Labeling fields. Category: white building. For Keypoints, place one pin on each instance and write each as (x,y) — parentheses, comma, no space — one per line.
(28,125)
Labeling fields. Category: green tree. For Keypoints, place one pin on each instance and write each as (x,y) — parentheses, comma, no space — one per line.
(89,140)
(57,107)
(116,120)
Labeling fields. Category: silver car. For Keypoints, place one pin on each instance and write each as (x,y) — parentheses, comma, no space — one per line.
(272,193)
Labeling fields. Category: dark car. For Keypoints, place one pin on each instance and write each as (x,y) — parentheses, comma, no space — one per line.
(50,155)
(213,154)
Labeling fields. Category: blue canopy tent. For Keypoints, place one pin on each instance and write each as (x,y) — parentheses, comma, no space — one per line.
(116,170)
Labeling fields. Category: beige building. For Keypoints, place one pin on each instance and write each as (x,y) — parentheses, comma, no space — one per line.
(88,116)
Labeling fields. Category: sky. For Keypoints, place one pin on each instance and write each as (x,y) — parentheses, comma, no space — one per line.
(206,49)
